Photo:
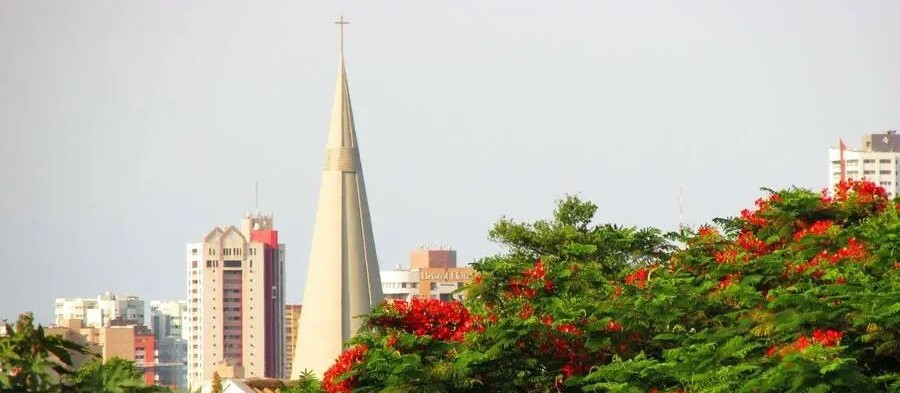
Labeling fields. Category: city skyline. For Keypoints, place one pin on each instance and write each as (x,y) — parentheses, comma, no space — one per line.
(115,116)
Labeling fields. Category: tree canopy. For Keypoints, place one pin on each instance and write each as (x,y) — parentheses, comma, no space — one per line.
(34,362)
(799,293)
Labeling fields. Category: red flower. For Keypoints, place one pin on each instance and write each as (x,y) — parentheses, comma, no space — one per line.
(771,351)
(827,338)
(638,278)
(801,343)
(818,228)
(569,328)
(613,326)
(547,320)
(728,281)
(748,241)
(526,312)
(334,379)
(431,317)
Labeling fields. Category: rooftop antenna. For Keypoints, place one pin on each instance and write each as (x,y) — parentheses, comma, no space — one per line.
(680,208)
(256,194)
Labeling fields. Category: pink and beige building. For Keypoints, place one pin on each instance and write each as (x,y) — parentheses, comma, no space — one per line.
(120,339)
(236,301)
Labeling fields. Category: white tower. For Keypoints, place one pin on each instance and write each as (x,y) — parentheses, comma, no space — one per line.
(342,282)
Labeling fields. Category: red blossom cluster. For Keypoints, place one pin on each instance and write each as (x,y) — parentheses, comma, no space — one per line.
(853,251)
(525,286)
(638,278)
(728,255)
(865,191)
(729,280)
(818,228)
(332,382)
(428,317)
(825,338)
(762,205)
(750,243)
(707,231)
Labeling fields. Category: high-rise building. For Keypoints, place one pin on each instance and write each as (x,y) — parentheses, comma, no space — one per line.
(100,311)
(236,301)
(291,321)
(432,274)
(168,319)
(878,160)
(342,281)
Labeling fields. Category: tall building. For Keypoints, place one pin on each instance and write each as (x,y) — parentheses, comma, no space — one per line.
(877,160)
(100,311)
(168,319)
(291,321)
(236,301)
(342,281)
(432,274)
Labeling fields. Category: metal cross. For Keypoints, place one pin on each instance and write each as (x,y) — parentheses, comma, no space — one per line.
(341,22)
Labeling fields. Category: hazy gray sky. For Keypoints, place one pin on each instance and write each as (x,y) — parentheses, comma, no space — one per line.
(132,128)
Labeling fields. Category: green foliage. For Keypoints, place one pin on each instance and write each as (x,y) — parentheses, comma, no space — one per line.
(113,376)
(31,361)
(800,294)
(307,383)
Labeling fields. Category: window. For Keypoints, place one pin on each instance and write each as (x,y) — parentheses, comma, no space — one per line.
(884,161)
(868,172)
(884,172)
(869,161)
(233,263)
(194,264)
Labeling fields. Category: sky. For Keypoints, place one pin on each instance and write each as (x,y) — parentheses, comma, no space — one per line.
(130,129)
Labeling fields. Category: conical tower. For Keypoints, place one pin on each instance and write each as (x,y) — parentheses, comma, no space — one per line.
(343,281)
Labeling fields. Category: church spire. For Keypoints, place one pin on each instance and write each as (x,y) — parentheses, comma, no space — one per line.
(342,281)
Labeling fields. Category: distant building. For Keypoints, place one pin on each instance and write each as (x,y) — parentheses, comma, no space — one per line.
(100,311)
(236,300)
(291,321)
(75,330)
(129,342)
(168,320)
(878,160)
(432,274)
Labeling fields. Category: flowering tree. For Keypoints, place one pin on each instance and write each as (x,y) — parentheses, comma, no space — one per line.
(800,293)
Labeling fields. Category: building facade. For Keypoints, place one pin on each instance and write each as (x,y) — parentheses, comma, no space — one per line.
(168,319)
(101,311)
(432,274)
(291,321)
(235,300)
(878,160)
(127,341)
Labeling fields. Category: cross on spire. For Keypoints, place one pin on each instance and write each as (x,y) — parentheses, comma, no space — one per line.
(341,22)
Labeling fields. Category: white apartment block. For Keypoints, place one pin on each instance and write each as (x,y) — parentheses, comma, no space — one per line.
(168,317)
(236,301)
(100,311)
(878,160)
